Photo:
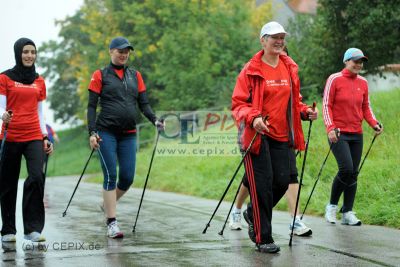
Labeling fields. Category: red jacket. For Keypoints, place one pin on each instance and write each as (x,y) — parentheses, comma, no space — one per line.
(247,103)
(346,103)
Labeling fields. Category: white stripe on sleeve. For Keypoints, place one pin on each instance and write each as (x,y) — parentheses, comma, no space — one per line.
(41,118)
(325,109)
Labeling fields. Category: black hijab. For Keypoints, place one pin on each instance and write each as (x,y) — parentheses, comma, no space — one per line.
(20,73)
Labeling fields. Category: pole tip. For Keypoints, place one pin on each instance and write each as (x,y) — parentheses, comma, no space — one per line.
(205,229)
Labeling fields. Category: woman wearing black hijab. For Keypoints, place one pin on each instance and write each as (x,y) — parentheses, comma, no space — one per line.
(22,92)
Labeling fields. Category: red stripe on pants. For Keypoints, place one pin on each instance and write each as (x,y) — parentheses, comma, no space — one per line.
(254,198)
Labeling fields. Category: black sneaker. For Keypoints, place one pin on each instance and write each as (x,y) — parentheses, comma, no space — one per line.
(252,235)
(268,248)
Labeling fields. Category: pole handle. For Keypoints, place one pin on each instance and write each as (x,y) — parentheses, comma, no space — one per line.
(160,129)
(10,112)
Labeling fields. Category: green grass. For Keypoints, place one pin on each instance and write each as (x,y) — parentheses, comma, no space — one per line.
(378,195)
(70,155)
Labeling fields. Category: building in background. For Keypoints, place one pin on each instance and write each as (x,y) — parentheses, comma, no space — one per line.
(284,10)
(389,80)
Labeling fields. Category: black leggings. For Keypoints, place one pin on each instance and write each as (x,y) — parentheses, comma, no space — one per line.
(347,152)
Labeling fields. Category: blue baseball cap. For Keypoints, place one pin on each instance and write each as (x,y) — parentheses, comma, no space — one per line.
(120,43)
(354,54)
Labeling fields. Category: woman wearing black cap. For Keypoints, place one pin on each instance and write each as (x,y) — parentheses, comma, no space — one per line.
(22,92)
(345,106)
(122,95)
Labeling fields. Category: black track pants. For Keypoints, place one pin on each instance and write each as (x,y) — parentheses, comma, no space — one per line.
(267,177)
(32,201)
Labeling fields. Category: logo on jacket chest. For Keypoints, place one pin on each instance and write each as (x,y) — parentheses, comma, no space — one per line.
(18,84)
(277,82)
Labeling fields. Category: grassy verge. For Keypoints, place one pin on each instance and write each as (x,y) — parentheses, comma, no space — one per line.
(70,155)
(378,187)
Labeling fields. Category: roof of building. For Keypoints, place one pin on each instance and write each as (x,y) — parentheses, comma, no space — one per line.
(391,67)
(303,6)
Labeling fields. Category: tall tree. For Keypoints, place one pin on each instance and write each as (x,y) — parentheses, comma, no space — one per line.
(189,52)
(59,60)
(319,42)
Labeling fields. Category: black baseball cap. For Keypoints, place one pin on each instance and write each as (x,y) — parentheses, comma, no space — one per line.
(120,43)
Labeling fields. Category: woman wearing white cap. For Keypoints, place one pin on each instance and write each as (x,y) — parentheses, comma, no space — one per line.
(266,100)
(345,105)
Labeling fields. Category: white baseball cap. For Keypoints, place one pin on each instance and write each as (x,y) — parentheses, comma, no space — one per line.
(272,28)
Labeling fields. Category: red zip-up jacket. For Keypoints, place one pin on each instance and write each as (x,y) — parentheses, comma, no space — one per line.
(247,103)
(346,103)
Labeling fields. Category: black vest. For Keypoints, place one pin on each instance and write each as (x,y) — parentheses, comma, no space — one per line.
(118,101)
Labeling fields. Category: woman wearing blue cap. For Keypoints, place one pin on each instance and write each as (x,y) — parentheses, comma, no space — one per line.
(122,95)
(345,105)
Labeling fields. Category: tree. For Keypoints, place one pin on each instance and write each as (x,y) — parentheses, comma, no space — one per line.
(189,52)
(199,58)
(319,42)
(59,61)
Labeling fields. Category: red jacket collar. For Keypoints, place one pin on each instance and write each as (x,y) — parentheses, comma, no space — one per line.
(349,74)
(255,63)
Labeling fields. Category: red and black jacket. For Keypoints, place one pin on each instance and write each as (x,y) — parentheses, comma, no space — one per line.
(120,103)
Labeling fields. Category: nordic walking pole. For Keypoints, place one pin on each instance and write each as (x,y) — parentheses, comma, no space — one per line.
(301,176)
(229,213)
(147,178)
(316,181)
(4,137)
(230,183)
(337,131)
(76,187)
(54,158)
(46,160)
(366,154)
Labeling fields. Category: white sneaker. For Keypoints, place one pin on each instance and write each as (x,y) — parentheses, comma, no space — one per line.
(8,246)
(8,238)
(349,218)
(113,230)
(235,221)
(300,228)
(330,213)
(35,237)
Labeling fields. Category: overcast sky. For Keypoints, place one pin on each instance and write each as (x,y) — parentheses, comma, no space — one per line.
(34,19)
